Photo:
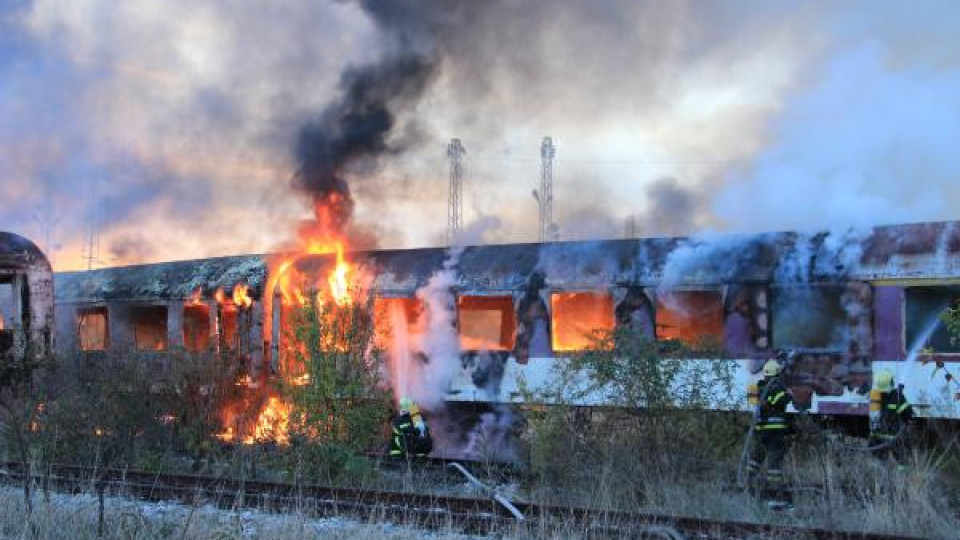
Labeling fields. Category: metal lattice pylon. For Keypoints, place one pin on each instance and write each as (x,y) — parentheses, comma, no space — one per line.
(548,229)
(630,227)
(455,152)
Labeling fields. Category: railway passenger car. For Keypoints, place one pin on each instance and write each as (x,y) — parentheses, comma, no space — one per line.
(846,302)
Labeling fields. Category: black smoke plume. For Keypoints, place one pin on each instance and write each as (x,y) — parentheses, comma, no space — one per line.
(356,130)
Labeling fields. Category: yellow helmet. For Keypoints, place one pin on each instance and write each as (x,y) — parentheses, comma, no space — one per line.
(772,368)
(406,404)
(884,381)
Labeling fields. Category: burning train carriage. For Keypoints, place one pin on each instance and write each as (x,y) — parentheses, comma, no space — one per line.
(845,304)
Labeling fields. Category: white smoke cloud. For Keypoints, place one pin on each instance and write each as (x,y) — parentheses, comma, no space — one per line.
(428,379)
(869,143)
(173,116)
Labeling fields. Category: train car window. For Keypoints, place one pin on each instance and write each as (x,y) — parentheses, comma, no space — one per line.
(150,328)
(575,315)
(228,326)
(692,317)
(93,330)
(924,305)
(809,317)
(486,323)
(6,306)
(196,327)
(396,322)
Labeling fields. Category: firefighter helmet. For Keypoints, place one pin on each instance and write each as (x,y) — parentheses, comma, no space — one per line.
(772,368)
(884,381)
(406,404)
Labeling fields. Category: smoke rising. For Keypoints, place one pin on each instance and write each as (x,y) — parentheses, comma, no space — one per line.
(424,374)
(187,116)
(869,143)
(354,131)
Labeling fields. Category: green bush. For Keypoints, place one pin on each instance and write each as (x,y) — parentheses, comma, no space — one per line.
(657,417)
(342,407)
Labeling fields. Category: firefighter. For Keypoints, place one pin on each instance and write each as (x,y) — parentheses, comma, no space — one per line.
(889,414)
(411,436)
(771,431)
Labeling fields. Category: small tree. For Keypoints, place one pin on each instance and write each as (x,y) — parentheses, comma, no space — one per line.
(116,407)
(201,384)
(340,403)
(23,393)
(951,319)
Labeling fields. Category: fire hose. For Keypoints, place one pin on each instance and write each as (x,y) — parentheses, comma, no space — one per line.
(887,443)
(748,442)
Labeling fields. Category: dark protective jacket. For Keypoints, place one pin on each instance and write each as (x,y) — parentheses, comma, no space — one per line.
(406,439)
(895,411)
(772,409)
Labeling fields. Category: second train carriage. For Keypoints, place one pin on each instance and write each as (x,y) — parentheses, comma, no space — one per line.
(847,304)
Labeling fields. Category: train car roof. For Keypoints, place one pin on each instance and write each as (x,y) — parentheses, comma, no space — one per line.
(18,252)
(928,250)
(177,279)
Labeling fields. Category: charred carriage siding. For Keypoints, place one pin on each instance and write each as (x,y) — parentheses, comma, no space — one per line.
(153,307)
(844,301)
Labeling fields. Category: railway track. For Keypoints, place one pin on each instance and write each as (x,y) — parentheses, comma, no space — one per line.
(471,515)
(441,466)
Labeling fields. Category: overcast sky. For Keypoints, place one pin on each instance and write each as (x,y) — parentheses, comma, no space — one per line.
(170,125)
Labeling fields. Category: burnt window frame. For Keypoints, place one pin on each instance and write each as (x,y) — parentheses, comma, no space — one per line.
(8,323)
(8,333)
(393,296)
(758,296)
(135,313)
(773,314)
(717,290)
(227,342)
(210,337)
(85,310)
(510,325)
(905,317)
(606,291)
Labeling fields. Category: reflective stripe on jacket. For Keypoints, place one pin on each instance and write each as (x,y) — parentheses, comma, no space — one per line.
(775,396)
(895,410)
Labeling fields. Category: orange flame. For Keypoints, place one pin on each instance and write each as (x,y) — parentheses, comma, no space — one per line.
(576,315)
(291,287)
(338,279)
(196,297)
(241,296)
(273,423)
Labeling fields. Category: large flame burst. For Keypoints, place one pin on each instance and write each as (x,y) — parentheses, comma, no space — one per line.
(293,289)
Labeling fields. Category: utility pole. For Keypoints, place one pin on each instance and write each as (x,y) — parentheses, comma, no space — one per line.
(548,229)
(630,227)
(455,152)
(92,254)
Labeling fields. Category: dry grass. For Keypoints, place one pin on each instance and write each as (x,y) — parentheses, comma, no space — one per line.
(74,517)
(856,493)
(859,492)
